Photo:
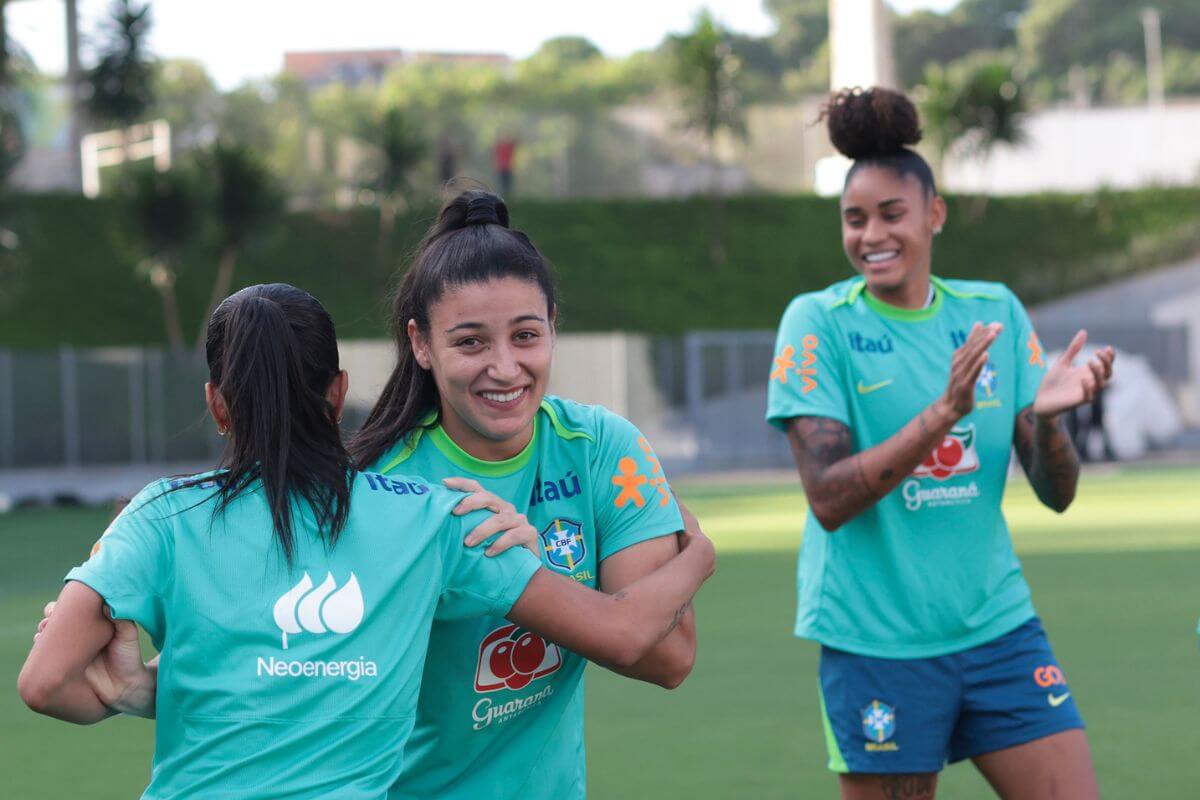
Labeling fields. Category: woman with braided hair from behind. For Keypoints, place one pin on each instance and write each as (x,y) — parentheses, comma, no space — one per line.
(902,394)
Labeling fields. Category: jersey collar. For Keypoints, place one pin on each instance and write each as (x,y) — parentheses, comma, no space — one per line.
(489,469)
(899,314)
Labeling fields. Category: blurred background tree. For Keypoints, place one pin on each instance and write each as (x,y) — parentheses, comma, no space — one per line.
(164,210)
(244,203)
(120,88)
(705,72)
(398,147)
(974,104)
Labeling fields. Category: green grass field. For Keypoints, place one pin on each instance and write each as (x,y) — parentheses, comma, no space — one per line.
(1114,580)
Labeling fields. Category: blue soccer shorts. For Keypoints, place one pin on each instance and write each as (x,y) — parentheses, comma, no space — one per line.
(893,716)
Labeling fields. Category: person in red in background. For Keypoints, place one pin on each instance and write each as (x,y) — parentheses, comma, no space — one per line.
(502,158)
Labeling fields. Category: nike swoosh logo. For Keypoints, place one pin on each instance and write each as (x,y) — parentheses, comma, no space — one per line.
(863,389)
(1057,700)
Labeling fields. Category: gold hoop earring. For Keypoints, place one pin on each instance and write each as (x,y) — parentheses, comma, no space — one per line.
(222,430)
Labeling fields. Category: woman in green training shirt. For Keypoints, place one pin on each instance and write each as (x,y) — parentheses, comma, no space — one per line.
(902,395)
(292,596)
(474,322)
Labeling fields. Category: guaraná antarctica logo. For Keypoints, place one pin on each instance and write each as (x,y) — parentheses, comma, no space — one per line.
(511,657)
(956,455)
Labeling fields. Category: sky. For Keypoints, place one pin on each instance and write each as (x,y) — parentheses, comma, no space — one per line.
(238,40)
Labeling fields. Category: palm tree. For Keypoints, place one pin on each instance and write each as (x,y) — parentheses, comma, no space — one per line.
(245,199)
(705,74)
(120,88)
(975,104)
(165,211)
(400,147)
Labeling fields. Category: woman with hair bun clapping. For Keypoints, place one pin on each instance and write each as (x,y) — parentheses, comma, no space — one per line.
(902,394)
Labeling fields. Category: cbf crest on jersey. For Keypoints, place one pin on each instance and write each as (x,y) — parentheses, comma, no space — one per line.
(564,544)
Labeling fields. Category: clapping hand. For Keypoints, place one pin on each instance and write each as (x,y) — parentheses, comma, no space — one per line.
(1067,386)
(965,366)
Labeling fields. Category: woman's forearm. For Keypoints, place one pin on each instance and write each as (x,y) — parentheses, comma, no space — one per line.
(53,680)
(1048,457)
(615,630)
(68,698)
(841,484)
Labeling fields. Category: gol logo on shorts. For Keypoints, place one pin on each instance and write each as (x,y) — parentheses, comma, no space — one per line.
(1046,677)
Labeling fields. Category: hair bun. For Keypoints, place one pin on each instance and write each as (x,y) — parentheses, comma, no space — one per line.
(871,123)
(485,209)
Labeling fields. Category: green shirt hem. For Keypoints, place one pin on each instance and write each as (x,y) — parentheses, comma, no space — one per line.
(995,629)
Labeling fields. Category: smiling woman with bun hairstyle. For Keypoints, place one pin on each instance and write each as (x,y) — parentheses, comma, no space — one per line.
(902,395)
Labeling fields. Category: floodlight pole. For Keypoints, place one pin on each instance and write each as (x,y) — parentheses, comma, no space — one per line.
(75,123)
(1152,29)
(3,45)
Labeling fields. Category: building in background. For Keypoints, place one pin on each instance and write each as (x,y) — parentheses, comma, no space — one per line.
(352,67)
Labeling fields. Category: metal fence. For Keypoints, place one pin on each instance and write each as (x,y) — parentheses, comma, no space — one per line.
(725,375)
(75,408)
(700,398)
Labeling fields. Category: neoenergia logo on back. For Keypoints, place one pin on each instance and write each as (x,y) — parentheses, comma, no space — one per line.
(321,610)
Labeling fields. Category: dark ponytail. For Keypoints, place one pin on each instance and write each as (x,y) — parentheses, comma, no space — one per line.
(876,128)
(469,243)
(272,353)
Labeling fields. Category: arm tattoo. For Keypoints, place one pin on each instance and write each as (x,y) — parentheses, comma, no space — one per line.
(679,614)
(832,476)
(1048,457)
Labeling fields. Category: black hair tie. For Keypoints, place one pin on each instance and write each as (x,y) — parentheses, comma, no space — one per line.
(482,211)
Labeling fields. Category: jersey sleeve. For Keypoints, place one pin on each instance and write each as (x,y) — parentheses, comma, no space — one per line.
(1030,359)
(476,585)
(805,378)
(631,501)
(132,563)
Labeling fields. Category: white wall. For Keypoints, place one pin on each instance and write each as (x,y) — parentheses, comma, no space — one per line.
(1084,149)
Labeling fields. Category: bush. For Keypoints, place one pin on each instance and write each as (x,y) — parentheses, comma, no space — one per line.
(638,265)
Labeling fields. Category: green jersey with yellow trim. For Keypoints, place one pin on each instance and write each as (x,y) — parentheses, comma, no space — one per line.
(501,710)
(930,568)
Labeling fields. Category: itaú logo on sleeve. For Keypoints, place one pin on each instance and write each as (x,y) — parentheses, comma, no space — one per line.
(321,610)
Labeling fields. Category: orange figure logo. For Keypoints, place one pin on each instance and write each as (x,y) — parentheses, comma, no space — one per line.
(1035,351)
(808,369)
(659,481)
(783,363)
(629,481)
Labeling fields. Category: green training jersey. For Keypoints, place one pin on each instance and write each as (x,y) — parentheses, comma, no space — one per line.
(296,682)
(930,568)
(501,710)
